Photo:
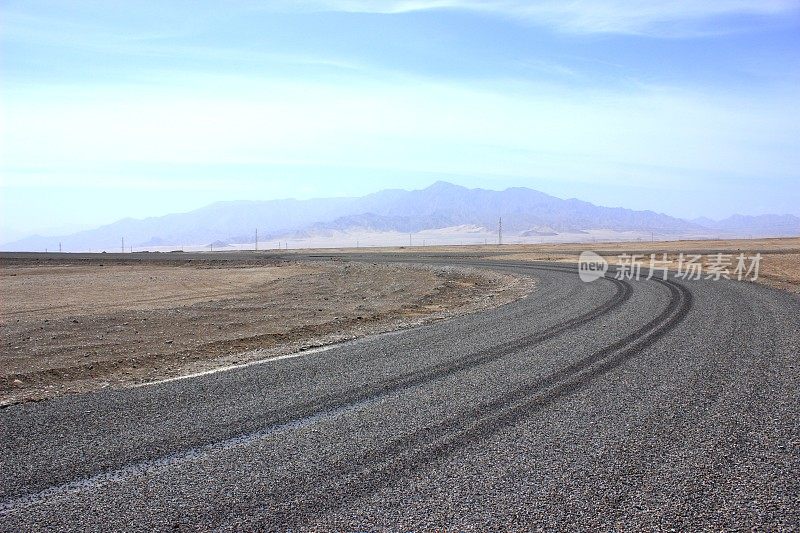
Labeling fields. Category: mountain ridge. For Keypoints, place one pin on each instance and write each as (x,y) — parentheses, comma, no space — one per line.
(525,212)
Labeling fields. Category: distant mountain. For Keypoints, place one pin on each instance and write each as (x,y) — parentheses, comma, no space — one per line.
(704,221)
(525,212)
(233,222)
(757,226)
(444,204)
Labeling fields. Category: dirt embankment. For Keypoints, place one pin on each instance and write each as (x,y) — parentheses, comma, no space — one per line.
(78,327)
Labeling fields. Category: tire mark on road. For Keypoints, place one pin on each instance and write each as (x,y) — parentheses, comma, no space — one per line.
(402,456)
(449,367)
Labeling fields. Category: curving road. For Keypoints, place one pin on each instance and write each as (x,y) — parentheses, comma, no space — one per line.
(604,405)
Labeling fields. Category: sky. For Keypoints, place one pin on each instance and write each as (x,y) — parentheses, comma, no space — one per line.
(116,109)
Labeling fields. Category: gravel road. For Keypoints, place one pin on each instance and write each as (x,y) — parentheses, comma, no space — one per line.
(607,405)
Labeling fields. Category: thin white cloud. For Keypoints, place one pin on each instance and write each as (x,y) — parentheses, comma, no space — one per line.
(675,18)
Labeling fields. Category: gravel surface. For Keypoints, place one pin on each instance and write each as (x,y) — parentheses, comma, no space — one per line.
(609,405)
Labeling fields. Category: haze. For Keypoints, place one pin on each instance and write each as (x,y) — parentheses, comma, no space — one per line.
(145,108)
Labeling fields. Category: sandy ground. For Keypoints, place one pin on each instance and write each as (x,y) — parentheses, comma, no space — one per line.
(108,323)
(779,266)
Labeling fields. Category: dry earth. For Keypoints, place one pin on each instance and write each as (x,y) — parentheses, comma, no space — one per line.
(779,266)
(71,327)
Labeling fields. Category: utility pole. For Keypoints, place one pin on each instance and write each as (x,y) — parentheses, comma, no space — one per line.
(59,247)
(123,245)
(500,231)
(409,239)
(256,239)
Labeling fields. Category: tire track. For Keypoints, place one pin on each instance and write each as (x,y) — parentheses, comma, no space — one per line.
(402,456)
(408,380)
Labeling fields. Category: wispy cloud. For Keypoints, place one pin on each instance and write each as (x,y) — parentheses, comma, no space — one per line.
(25,29)
(679,18)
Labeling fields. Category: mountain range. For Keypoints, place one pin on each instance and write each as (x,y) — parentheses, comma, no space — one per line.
(525,213)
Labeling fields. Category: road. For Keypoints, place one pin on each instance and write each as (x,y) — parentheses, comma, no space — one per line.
(606,405)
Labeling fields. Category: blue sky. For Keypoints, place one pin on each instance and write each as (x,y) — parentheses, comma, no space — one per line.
(113,109)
